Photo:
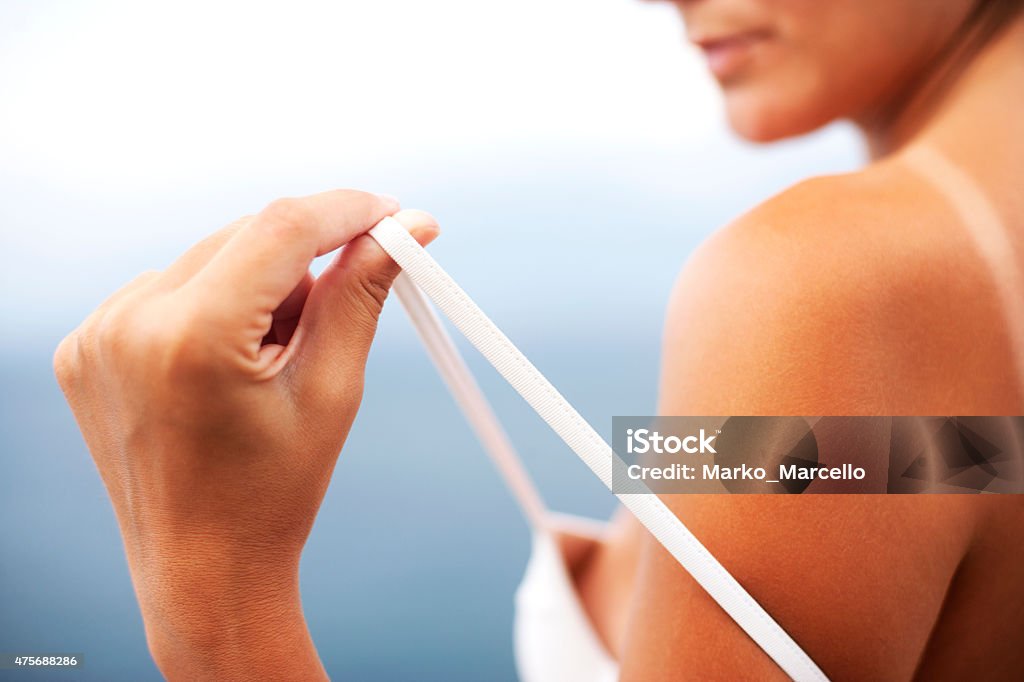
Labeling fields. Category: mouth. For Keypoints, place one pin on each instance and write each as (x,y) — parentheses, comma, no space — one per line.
(727,54)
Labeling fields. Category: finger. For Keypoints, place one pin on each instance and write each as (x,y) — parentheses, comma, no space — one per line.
(265,260)
(338,324)
(180,270)
(137,285)
(193,260)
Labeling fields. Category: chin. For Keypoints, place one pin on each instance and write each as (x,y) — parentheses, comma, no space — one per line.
(769,117)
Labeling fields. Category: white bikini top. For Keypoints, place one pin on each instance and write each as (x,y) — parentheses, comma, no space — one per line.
(554,638)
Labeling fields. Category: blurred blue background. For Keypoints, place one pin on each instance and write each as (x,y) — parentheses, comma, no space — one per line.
(574,154)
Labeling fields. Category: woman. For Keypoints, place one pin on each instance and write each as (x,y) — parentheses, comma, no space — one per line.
(216,395)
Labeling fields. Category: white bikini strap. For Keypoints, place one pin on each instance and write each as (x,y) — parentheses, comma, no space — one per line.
(470,398)
(648,508)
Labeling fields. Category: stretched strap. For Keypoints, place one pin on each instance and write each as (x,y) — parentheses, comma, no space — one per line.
(470,398)
(467,317)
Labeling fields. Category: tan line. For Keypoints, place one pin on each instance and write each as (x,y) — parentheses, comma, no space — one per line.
(987,230)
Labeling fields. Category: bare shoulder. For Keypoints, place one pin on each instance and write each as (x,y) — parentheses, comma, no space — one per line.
(847,294)
(853,294)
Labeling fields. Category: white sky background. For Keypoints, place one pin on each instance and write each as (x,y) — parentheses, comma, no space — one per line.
(130,130)
(109,89)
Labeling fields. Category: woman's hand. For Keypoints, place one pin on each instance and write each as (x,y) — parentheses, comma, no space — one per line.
(215,398)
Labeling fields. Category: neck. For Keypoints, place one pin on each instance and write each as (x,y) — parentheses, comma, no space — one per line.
(964,73)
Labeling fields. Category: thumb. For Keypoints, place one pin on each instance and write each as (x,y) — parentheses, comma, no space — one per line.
(339,319)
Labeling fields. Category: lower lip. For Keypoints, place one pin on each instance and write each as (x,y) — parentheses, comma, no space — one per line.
(727,57)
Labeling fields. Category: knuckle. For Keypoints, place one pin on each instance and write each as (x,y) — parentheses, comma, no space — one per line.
(148,276)
(358,198)
(285,217)
(127,334)
(66,360)
(157,344)
(110,326)
(87,336)
(238,223)
(374,288)
(229,231)
(113,333)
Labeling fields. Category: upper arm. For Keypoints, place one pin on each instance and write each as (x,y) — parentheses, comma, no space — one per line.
(770,317)
(857,581)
